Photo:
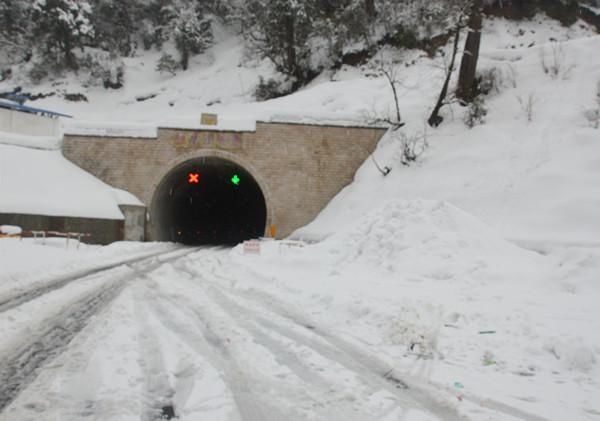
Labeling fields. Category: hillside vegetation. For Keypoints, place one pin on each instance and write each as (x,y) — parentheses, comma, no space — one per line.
(46,40)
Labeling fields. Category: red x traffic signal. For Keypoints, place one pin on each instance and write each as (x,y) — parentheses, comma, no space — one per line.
(193,178)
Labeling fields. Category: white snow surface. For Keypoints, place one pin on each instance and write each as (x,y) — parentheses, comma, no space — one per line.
(536,181)
(533,181)
(35,261)
(313,332)
(413,300)
(44,182)
(36,142)
(427,239)
(10,229)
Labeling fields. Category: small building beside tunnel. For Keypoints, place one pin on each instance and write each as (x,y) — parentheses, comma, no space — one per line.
(43,193)
(225,183)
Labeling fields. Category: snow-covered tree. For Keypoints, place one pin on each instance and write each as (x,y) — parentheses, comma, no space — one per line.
(279,31)
(15,42)
(191,30)
(115,23)
(62,25)
(167,64)
(343,23)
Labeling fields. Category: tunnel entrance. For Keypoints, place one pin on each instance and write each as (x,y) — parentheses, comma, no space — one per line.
(209,200)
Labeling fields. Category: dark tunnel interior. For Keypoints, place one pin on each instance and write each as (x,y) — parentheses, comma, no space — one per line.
(209,200)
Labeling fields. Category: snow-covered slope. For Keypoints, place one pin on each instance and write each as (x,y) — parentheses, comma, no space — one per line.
(536,181)
(413,282)
(427,239)
(531,180)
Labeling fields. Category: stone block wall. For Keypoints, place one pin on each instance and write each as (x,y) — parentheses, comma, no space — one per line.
(300,168)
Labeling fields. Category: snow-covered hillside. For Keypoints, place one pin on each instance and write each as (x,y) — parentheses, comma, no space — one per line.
(535,181)
(532,180)
(461,287)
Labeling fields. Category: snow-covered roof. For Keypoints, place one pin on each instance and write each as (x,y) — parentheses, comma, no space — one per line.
(12,105)
(44,182)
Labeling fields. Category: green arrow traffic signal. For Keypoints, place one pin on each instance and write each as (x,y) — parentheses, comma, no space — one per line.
(235,180)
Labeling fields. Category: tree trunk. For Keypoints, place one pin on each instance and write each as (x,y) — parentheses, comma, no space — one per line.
(370,8)
(435,119)
(185,58)
(70,60)
(290,45)
(466,89)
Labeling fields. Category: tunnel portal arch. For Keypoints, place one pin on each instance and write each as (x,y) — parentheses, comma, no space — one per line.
(209,199)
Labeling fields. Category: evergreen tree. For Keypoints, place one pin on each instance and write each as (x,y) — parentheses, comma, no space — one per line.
(62,25)
(279,30)
(192,31)
(15,39)
(115,23)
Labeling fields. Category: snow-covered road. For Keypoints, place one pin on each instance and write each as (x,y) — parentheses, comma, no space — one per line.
(193,334)
(39,322)
(159,337)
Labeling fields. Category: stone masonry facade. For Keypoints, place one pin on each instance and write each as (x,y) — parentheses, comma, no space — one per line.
(299,168)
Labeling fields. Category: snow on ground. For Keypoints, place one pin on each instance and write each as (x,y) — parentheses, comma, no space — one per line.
(451,306)
(414,299)
(34,261)
(530,180)
(316,332)
(535,181)
(36,142)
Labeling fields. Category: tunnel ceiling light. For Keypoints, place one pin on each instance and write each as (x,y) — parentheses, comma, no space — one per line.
(193,178)
(235,180)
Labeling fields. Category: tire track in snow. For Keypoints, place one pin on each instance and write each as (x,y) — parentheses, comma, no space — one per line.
(197,330)
(262,301)
(331,399)
(8,302)
(158,388)
(19,369)
(423,396)
(24,361)
(377,374)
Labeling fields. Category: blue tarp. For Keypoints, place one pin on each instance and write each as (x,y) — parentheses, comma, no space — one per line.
(11,105)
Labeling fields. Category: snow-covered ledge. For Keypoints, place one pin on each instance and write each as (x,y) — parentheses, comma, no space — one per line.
(27,124)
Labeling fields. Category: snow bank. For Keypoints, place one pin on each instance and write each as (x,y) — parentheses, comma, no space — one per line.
(426,239)
(33,261)
(224,123)
(40,182)
(536,182)
(123,197)
(10,230)
(109,129)
(38,142)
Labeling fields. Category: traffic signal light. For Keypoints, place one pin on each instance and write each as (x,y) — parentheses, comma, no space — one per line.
(194,178)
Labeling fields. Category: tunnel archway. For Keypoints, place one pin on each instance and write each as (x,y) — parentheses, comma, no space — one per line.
(208,200)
